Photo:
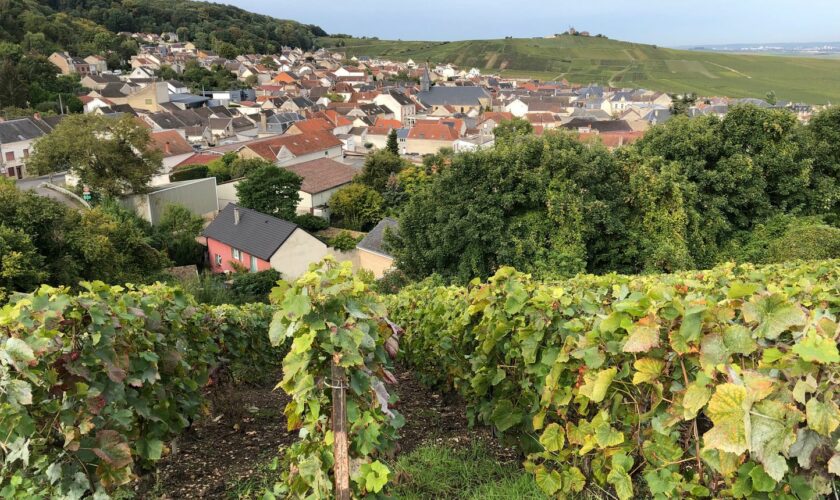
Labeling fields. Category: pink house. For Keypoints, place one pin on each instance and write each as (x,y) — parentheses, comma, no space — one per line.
(246,238)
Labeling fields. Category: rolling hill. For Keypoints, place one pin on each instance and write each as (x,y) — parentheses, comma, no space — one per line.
(621,64)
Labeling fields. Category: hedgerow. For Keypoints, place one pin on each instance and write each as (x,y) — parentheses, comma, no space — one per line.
(93,385)
(715,383)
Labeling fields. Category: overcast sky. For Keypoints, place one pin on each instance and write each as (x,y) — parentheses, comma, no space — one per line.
(663,22)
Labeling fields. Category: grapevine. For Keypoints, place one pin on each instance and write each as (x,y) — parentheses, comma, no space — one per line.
(718,383)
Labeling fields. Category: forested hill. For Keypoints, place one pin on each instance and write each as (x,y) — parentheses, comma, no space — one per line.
(84,26)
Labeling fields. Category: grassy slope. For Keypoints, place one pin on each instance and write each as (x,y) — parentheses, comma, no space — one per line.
(599,60)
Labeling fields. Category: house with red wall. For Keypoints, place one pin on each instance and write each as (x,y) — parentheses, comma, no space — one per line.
(240,237)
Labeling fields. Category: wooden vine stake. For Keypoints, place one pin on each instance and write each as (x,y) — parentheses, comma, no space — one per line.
(341,468)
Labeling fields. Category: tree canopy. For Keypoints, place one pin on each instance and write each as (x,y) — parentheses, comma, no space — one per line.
(688,195)
(110,156)
(271,190)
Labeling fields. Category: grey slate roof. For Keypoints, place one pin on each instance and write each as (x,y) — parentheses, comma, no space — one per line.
(257,234)
(23,129)
(455,96)
(373,241)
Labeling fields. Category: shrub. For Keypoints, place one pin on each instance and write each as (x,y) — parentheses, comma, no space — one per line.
(344,241)
(190,173)
(311,222)
(254,287)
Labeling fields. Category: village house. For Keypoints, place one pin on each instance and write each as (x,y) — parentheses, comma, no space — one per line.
(370,251)
(321,179)
(403,107)
(243,238)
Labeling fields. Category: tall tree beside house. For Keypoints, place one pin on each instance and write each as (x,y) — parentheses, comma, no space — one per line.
(271,190)
(392,145)
(21,267)
(379,167)
(176,231)
(356,206)
(112,157)
(107,243)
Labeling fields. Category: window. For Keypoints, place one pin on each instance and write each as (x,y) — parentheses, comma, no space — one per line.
(237,255)
(26,153)
(10,156)
(253,264)
(218,260)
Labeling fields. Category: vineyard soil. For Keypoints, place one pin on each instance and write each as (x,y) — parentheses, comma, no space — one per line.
(246,427)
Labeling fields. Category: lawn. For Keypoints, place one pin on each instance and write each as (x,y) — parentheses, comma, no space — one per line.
(623,64)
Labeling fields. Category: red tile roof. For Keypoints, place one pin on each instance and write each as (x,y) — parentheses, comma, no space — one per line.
(299,144)
(322,175)
(313,125)
(170,143)
(434,132)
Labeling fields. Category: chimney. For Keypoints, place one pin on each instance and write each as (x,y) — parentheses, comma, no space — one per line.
(263,124)
(37,116)
(167,149)
(235,216)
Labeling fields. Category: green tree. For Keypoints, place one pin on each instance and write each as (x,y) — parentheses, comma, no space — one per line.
(271,190)
(357,206)
(392,145)
(509,129)
(176,232)
(21,266)
(378,168)
(113,157)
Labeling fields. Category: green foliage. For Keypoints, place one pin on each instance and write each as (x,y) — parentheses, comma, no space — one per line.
(106,243)
(30,82)
(110,156)
(311,222)
(85,28)
(356,206)
(189,173)
(687,195)
(344,241)
(711,383)
(176,232)
(509,130)
(95,384)
(378,168)
(331,316)
(438,471)
(254,287)
(784,238)
(392,146)
(216,78)
(270,190)
(21,266)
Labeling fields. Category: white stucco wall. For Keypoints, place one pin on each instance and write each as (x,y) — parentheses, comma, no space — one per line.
(300,250)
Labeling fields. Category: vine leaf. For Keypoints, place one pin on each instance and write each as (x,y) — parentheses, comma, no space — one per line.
(738,340)
(822,417)
(728,411)
(553,438)
(806,442)
(695,398)
(595,386)
(642,338)
(505,415)
(647,370)
(834,465)
(774,315)
(817,348)
(548,481)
